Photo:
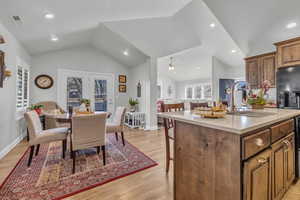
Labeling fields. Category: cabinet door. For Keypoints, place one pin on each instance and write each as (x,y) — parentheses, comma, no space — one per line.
(268,66)
(252,72)
(289,53)
(290,159)
(278,169)
(257,177)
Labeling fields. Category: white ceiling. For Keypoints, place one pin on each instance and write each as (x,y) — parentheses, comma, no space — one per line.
(255,25)
(114,45)
(157,36)
(190,64)
(74,20)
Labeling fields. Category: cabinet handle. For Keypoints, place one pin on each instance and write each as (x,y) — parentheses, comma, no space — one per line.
(262,160)
(287,143)
(259,142)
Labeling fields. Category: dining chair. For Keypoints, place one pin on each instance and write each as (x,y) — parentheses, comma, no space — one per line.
(117,125)
(88,131)
(195,105)
(169,129)
(39,136)
(49,109)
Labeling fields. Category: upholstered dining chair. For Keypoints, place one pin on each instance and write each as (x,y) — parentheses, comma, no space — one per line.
(117,125)
(88,131)
(169,129)
(39,136)
(49,109)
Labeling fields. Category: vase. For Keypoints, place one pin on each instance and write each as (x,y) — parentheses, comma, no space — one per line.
(132,108)
(258,106)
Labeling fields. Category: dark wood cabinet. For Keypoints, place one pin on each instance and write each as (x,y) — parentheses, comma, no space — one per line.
(252,72)
(290,160)
(283,167)
(288,52)
(258,177)
(278,158)
(268,68)
(260,68)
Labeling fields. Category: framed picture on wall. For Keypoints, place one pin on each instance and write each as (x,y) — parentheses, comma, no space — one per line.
(122,88)
(122,79)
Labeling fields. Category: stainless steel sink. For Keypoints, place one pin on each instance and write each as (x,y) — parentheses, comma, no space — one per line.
(251,113)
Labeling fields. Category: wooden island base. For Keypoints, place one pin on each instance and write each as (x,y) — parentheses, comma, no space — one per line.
(212,164)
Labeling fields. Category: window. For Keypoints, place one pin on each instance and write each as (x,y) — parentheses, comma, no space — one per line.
(189,92)
(207,91)
(74,91)
(198,92)
(22,88)
(158,91)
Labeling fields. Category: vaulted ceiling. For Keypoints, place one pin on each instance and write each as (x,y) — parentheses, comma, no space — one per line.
(154,28)
(255,25)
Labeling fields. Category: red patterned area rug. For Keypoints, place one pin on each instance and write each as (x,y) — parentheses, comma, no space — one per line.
(50,177)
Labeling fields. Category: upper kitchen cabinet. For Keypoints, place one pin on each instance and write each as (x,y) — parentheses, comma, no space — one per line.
(288,52)
(252,72)
(260,68)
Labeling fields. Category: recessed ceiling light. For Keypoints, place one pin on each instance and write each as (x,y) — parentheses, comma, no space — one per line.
(212,25)
(291,25)
(198,67)
(49,16)
(233,51)
(125,53)
(54,38)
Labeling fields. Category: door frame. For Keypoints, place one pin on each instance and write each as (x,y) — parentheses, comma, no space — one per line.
(87,77)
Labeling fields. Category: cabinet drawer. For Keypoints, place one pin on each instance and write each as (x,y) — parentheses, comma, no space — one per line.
(255,143)
(281,130)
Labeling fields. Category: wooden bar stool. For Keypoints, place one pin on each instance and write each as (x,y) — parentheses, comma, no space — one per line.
(169,129)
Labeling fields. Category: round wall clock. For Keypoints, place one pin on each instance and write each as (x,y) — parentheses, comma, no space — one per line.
(44,81)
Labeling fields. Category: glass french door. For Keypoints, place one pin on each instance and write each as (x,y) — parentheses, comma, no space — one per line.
(75,85)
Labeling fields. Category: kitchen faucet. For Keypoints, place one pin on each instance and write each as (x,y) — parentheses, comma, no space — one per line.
(232,108)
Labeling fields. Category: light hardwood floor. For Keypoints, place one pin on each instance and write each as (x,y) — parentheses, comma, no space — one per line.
(150,184)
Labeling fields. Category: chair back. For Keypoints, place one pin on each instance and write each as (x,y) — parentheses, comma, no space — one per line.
(169,123)
(119,116)
(195,105)
(88,131)
(173,107)
(49,106)
(33,123)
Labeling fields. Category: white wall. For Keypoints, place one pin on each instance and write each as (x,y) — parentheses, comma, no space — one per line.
(83,58)
(139,74)
(222,71)
(146,73)
(11,130)
(165,82)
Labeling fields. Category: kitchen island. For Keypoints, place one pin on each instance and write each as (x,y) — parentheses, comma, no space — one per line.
(242,156)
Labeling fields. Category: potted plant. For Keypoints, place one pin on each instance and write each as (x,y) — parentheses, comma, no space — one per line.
(36,108)
(133,103)
(258,101)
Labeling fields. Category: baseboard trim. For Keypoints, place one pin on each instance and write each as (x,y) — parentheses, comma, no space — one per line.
(9,147)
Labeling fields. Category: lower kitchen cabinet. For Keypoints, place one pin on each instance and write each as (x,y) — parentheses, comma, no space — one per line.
(258,177)
(269,174)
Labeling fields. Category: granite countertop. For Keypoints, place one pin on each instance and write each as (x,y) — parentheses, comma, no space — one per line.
(235,123)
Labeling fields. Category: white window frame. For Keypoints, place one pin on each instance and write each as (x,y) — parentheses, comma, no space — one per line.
(194,86)
(186,88)
(22,109)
